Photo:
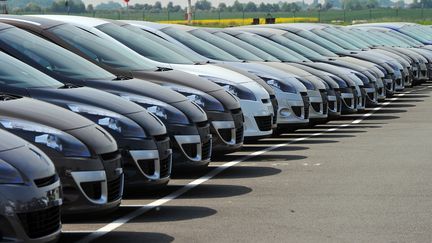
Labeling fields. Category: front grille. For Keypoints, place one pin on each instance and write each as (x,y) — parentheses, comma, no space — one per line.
(363,100)
(380,90)
(239,135)
(297,110)
(338,104)
(371,96)
(325,101)
(306,104)
(264,122)
(275,107)
(41,223)
(114,189)
(147,166)
(206,150)
(165,167)
(331,105)
(316,106)
(42,182)
(190,149)
(93,190)
(348,102)
(111,156)
(225,134)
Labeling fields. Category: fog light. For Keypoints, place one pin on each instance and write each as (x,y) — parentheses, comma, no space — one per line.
(285,112)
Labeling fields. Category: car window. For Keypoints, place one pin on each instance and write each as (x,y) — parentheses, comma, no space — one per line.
(51,56)
(18,74)
(143,46)
(101,50)
(200,46)
(227,46)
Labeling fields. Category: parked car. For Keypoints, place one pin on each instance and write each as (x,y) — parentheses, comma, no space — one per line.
(30,193)
(86,156)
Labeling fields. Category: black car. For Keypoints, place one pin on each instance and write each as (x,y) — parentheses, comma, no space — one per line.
(30,194)
(141,137)
(85,155)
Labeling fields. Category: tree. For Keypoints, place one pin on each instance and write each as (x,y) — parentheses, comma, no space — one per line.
(90,8)
(203,5)
(32,7)
(237,6)
(73,6)
(250,7)
(222,7)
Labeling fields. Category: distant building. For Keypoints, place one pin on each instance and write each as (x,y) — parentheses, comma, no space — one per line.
(3,7)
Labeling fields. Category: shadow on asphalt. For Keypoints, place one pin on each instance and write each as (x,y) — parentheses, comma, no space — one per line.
(390,111)
(174,213)
(265,158)
(253,148)
(372,117)
(417,96)
(121,237)
(391,105)
(407,101)
(203,191)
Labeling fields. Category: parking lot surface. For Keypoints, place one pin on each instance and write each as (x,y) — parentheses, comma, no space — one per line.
(365,177)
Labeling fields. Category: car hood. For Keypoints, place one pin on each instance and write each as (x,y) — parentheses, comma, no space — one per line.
(43,113)
(87,96)
(183,77)
(10,141)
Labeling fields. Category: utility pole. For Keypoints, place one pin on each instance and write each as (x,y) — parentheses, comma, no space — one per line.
(3,7)
(189,12)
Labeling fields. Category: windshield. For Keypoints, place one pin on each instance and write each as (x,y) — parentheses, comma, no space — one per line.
(200,46)
(320,41)
(404,38)
(51,56)
(18,74)
(335,40)
(345,35)
(193,56)
(279,51)
(370,38)
(102,51)
(143,46)
(309,44)
(252,49)
(413,34)
(227,46)
(311,54)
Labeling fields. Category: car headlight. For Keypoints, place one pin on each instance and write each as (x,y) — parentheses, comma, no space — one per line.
(164,111)
(108,119)
(205,101)
(339,81)
(9,175)
(308,84)
(284,86)
(52,138)
(235,89)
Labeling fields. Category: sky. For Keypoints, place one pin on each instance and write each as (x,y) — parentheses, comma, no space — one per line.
(184,2)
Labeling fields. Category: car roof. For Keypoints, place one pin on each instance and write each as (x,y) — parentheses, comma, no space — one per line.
(31,20)
(82,20)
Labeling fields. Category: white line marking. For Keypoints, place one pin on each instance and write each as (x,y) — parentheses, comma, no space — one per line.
(145,208)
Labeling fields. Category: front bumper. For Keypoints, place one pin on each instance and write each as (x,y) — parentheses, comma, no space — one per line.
(227,130)
(318,105)
(258,116)
(191,144)
(30,214)
(291,109)
(147,162)
(91,190)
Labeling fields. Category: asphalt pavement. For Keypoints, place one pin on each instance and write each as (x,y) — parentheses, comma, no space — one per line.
(363,178)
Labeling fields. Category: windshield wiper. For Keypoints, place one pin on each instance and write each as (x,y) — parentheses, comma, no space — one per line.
(122,77)
(69,86)
(163,69)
